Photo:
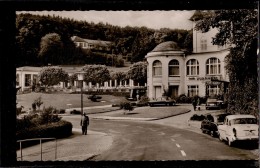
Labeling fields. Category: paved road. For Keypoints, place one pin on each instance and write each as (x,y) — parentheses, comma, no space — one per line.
(136,140)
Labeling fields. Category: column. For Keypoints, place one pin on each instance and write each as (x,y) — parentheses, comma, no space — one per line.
(115,83)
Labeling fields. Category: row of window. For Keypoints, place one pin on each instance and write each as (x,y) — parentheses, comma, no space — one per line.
(29,79)
(213,67)
(193,90)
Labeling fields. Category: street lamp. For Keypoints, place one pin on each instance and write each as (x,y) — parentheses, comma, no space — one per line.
(80,78)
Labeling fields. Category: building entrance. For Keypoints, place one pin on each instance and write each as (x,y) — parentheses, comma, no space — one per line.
(173,91)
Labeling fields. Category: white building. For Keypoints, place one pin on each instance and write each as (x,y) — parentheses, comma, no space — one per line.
(27,76)
(200,73)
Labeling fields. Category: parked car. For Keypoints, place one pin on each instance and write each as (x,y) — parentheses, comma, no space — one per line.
(162,101)
(94,98)
(238,128)
(210,123)
(213,104)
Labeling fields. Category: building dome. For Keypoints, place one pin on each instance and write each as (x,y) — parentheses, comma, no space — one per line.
(166,46)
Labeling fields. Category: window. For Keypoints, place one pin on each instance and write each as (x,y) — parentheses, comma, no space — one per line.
(157,68)
(27,81)
(192,67)
(17,80)
(213,90)
(213,66)
(174,68)
(203,44)
(193,90)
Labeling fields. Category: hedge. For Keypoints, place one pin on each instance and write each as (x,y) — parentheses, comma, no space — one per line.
(57,130)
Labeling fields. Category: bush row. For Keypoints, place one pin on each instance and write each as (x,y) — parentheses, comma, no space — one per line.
(113,93)
(59,129)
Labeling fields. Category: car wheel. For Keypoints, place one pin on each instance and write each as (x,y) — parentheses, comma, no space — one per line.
(203,131)
(212,133)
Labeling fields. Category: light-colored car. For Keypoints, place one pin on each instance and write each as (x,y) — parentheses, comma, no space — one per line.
(238,128)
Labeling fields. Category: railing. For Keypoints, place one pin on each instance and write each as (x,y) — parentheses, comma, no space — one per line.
(36,139)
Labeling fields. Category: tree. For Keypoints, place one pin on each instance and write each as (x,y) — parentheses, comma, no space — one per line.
(51,48)
(119,76)
(138,72)
(50,76)
(237,28)
(96,73)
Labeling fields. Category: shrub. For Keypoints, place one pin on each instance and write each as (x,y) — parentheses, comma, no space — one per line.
(126,106)
(75,112)
(143,101)
(197,117)
(49,115)
(62,111)
(57,130)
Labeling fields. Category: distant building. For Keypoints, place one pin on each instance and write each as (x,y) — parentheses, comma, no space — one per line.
(202,73)
(28,76)
(96,45)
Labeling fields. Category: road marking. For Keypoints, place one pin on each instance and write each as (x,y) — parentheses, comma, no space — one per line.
(178,145)
(161,133)
(173,140)
(183,153)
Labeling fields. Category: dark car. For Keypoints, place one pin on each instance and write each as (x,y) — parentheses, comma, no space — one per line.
(211,121)
(213,104)
(162,101)
(94,98)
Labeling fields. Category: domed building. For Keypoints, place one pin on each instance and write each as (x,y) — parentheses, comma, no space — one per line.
(202,73)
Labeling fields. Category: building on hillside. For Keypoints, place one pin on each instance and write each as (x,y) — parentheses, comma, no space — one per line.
(95,45)
(202,73)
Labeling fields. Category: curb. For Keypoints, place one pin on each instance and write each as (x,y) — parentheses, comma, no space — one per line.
(138,119)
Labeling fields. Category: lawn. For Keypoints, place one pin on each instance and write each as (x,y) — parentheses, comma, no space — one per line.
(151,112)
(64,101)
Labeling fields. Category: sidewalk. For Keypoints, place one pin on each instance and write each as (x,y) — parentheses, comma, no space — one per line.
(77,147)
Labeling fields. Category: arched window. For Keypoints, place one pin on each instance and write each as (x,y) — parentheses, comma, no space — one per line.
(192,67)
(213,66)
(174,68)
(157,68)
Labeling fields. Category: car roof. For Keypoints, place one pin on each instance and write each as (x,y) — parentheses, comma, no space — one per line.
(230,117)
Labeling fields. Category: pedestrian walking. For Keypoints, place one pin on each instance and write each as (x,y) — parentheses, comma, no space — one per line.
(194,103)
(198,103)
(84,124)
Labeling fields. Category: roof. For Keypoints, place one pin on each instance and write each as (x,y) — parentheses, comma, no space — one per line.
(230,117)
(96,42)
(167,46)
(29,68)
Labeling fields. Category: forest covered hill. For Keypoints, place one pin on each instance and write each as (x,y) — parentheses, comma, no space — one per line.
(47,39)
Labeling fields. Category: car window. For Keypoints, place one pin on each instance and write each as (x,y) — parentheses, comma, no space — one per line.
(245,121)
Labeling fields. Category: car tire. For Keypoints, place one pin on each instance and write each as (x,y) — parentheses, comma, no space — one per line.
(212,133)
(203,131)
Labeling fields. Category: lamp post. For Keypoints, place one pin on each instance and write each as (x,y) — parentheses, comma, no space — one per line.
(80,78)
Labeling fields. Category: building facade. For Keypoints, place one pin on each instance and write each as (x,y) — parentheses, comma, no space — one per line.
(202,73)
(28,76)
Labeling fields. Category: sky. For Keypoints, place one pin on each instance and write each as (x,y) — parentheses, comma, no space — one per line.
(178,19)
